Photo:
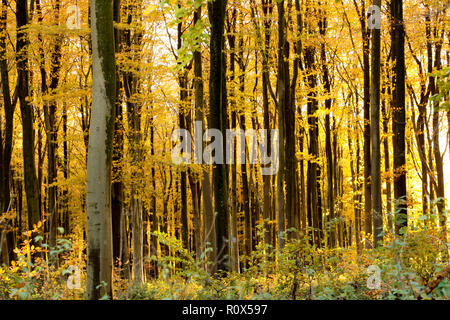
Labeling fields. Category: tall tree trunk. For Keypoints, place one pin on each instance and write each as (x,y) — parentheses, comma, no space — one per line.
(133,40)
(387,166)
(155,218)
(328,150)
(7,147)
(314,210)
(40,158)
(31,186)
(292,201)
(65,193)
(182,122)
(366,148)
(366,103)
(234,229)
(377,215)
(217,18)
(101,132)
(355,184)
(248,217)
(267,210)
(289,129)
(52,137)
(399,114)
(117,183)
(44,89)
(283,96)
(209,228)
(440,190)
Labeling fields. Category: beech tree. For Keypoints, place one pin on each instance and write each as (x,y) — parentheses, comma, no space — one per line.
(399,114)
(6,148)
(377,213)
(216,11)
(101,132)
(26,110)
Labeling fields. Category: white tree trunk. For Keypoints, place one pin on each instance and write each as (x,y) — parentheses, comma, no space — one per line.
(99,233)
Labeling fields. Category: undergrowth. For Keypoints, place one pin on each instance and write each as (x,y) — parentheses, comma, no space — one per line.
(401,269)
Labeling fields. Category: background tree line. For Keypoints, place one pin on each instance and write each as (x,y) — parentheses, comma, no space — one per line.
(363,127)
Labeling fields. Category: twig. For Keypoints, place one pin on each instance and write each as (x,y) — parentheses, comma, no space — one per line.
(433,284)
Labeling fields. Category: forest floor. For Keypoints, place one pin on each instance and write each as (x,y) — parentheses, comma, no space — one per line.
(414,267)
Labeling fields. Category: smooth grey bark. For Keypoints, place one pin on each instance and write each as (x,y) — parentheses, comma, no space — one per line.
(99,163)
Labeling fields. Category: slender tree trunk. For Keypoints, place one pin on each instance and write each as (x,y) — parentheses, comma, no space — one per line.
(117,184)
(289,129)
(52,138)
(377,215)
(328,150)
(283,96)
(217,19)
(209,228)
(354,172)
(366,148)
(440,190)
(155,218)
(292,200)
(6,148)
(65,193)
(31,186)
(248,217)
(313,172)
(267,210)
(133,40)
(234,229)
(399,114)
(366,102)
(183,83)
(387,166)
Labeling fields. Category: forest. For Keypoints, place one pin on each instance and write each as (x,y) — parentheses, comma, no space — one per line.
(224,149)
